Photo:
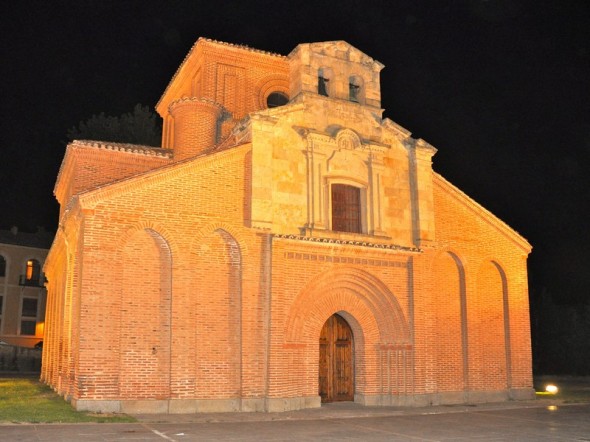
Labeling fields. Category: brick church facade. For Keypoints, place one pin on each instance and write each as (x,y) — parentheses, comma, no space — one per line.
(286,246)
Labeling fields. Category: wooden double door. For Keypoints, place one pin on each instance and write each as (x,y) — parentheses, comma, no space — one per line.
(336,370)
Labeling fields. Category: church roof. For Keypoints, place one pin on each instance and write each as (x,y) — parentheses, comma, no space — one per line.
(40,240)
(135,149)
(202,41)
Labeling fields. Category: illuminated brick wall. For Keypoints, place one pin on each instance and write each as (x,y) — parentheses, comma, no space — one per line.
(198,277)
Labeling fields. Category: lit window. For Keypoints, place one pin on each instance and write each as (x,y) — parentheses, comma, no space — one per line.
(2,266)
(346,208)
(276,99)
(33,271)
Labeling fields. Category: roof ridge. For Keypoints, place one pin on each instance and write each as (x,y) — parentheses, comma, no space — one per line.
(242,46)
(125,147)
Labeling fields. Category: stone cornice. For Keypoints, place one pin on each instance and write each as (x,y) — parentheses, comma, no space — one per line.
(420,147)
(400,131)
(347,242)
(425,146)
(242,131)
(344,139)
(240,134)
(192,100)
(372,113)
(482,212)
(393,131)
(273,114)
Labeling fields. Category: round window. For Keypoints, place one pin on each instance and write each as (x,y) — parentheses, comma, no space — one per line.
(276,99)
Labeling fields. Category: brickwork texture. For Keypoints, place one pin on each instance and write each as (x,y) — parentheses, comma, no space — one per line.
(198,276)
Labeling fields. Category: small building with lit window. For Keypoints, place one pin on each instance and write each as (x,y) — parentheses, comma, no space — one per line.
(287,246)
(22,286)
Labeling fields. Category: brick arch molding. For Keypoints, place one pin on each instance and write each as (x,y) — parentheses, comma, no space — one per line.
(158,229)
(269,84)
(227,232)
(457,256)
(500,268)
(358,295)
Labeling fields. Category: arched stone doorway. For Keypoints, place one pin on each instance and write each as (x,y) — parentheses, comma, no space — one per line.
(336,361)
(381,348)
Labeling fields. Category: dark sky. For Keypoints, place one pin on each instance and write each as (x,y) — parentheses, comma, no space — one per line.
(499,87)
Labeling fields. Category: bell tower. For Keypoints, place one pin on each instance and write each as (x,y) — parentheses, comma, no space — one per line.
(337,70)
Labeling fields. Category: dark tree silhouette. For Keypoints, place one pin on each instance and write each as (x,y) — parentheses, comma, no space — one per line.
(561,337)
(138,127)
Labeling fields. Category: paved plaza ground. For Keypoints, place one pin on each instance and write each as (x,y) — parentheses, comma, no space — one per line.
(511,421)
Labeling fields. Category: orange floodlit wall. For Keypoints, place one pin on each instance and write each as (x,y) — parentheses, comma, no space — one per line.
(201,276)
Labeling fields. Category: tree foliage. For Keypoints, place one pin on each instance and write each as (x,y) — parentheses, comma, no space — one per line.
(561,337)
(138,127)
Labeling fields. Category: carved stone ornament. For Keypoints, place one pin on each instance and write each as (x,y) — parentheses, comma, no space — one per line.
(347,139)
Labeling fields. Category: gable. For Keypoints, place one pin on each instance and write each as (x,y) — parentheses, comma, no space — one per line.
(89,164)
(460,219)
(339,49)
(190,174)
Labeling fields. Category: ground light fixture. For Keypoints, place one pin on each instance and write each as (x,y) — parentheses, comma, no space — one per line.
(551,389)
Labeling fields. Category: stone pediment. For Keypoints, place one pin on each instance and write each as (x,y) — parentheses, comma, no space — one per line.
(342,50)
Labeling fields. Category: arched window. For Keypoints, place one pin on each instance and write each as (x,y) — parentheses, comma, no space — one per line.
(355,89)
(2,266)
(324,76)
(346,208)
(276,99)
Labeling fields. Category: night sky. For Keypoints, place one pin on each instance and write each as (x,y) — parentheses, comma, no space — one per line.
(501,88)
